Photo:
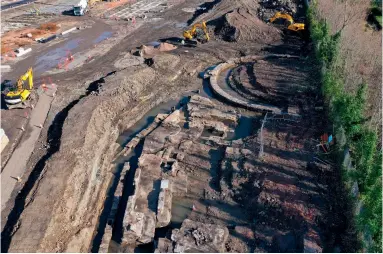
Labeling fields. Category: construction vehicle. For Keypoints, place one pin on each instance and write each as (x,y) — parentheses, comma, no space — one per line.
(16,95)
(198,32)
(81,8)
(291,25)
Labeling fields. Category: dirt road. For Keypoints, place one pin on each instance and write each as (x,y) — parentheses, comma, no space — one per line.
(16,165)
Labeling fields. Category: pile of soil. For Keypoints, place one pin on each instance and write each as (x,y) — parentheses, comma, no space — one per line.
(236,21)
(242,24)
(268,8)
(150,51)
(18,38)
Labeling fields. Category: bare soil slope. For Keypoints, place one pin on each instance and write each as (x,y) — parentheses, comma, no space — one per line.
(237,21)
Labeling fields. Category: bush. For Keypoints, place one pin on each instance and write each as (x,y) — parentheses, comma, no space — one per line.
(346,110)
(49,27)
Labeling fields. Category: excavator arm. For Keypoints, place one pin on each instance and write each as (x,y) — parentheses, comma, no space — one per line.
(194,32)
(279,15)
(28,75)
(291,24)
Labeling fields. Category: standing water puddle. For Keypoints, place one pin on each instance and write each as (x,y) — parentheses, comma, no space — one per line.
(53,57)
(181,207)
(102,37)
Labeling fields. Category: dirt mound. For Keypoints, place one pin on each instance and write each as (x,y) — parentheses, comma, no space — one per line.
(150,51)
(237,20)
(242,24)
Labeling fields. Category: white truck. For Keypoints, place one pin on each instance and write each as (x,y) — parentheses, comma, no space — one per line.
(81,8)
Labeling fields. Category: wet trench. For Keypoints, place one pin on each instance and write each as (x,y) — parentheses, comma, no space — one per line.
(128,186)
(181,206)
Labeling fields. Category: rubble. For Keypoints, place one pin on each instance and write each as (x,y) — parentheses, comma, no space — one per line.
(164,245)
(199,237)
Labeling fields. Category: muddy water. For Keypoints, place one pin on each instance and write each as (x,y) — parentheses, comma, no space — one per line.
(132,158)
(103,36)
(52,58)
(146,120)
(45,57)
(181,207)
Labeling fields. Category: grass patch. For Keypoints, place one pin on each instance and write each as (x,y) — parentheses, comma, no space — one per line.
(379,19)
(346,111)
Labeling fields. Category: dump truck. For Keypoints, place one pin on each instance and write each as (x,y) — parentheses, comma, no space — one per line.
(81,8)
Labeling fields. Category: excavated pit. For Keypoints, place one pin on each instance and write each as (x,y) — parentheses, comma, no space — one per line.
(204,176)
(236,169)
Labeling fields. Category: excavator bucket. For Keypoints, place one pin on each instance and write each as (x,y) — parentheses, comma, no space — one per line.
(296,27)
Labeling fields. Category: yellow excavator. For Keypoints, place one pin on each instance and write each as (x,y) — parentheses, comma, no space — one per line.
(198,32)
(291,25)
(16,95)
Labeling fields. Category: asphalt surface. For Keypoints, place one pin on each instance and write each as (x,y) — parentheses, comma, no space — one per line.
(16,4)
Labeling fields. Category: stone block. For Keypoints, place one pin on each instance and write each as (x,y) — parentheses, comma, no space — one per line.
(133,226)
(165,184)
(199,237)
(149,228)
(173,118)
(164,208)
(163,245)
(106,238)
(137,177)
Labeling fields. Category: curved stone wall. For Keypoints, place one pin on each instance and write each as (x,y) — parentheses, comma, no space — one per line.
(217,90)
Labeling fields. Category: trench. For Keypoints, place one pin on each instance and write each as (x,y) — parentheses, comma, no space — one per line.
(181,207)
(53,141)
(128,188)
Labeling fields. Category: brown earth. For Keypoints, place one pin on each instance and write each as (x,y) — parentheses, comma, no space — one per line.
(18,38)
(59,206)
(237,21)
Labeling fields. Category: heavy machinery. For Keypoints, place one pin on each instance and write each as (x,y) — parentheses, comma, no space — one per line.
(16,95)
(81,8)
(198,32)
(291,25)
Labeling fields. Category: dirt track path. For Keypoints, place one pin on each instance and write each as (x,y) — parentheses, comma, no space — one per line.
(16,165)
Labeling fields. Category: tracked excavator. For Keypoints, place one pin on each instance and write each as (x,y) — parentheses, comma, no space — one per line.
(17,95)
(198,32)
(291,25)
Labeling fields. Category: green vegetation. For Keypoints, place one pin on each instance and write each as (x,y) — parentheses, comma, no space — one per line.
(376,10)
(346,111)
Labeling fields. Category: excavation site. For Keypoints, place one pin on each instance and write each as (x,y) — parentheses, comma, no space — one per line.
(168,126)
